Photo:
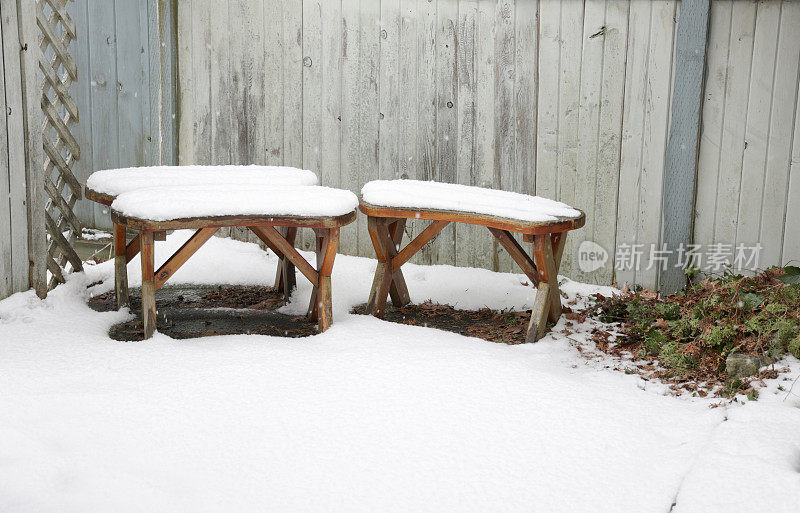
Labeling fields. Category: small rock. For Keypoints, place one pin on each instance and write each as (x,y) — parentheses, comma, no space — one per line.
(739,365)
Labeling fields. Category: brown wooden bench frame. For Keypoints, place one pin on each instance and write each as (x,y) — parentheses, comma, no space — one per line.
(386,227)
(285,266)
(266,228)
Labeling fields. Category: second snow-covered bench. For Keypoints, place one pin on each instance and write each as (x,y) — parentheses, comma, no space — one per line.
(389,203)
(258,208)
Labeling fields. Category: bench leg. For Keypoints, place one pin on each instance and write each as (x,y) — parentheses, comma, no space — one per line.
(329,242)
(381,283)
(547,305)
(120,267)
(398,290)
(319,237)
(285,278)
(148,284)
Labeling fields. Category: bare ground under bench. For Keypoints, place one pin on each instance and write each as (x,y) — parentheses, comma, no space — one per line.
(192,311)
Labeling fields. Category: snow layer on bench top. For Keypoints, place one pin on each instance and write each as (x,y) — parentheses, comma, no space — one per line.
(169,203)
(118,181)
(464,198)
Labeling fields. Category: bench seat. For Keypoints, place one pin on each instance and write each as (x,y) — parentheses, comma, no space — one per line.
(207,209)
(105,185)
(170,208)
(389,204)
(504,210)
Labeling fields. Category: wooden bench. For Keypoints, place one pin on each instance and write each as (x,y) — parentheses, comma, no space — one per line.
(389,204)
(104,186)
(260,209)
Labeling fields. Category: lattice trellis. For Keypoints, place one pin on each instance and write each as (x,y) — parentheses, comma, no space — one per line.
(60,146)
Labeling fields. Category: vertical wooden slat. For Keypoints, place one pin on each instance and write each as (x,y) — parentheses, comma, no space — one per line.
(162,39)
(466,236)
(15,137)
(740,53)
(224,145)
(781,130)
(331,94)
(292,43)
(506,171)
(34,154)
(615,46)
(547,121)
(408,154)
(187,119)
(408,70)
(201,151)
(368,110)
(483,247)
(312,85)
(655,130)
(571,46)
(525,92)
(713,120)
(592,71)
(757,132)
(389,90)
(6,241)
(644,133)
(221,82)
(350,150)
(272,50)
(426,104)
(133,94)
(791,236)
(443,250)
(86,211)
(105,128)
(786,194)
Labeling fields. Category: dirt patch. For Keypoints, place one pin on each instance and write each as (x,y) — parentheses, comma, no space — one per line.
(191,312)
(492,325)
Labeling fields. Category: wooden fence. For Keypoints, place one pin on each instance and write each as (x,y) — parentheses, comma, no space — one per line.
(22,235)
(124,89)
(563,98)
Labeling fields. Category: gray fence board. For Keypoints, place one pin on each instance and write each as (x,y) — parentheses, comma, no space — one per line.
(22,239)
(125,90)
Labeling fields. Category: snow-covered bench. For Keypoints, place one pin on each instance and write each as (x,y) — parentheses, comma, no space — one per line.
(389,203)
(259,208)
(104,186)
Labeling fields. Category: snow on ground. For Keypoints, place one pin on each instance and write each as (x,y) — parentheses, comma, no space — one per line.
(368,416)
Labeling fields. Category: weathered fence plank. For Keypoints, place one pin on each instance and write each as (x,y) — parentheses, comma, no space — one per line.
(6,239)
(16,135)
(22,232)
(644,135)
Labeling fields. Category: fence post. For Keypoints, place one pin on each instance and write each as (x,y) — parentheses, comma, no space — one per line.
(680,174)
(34,153)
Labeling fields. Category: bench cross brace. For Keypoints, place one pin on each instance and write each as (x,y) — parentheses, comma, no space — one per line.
(542,269)
(386,235)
